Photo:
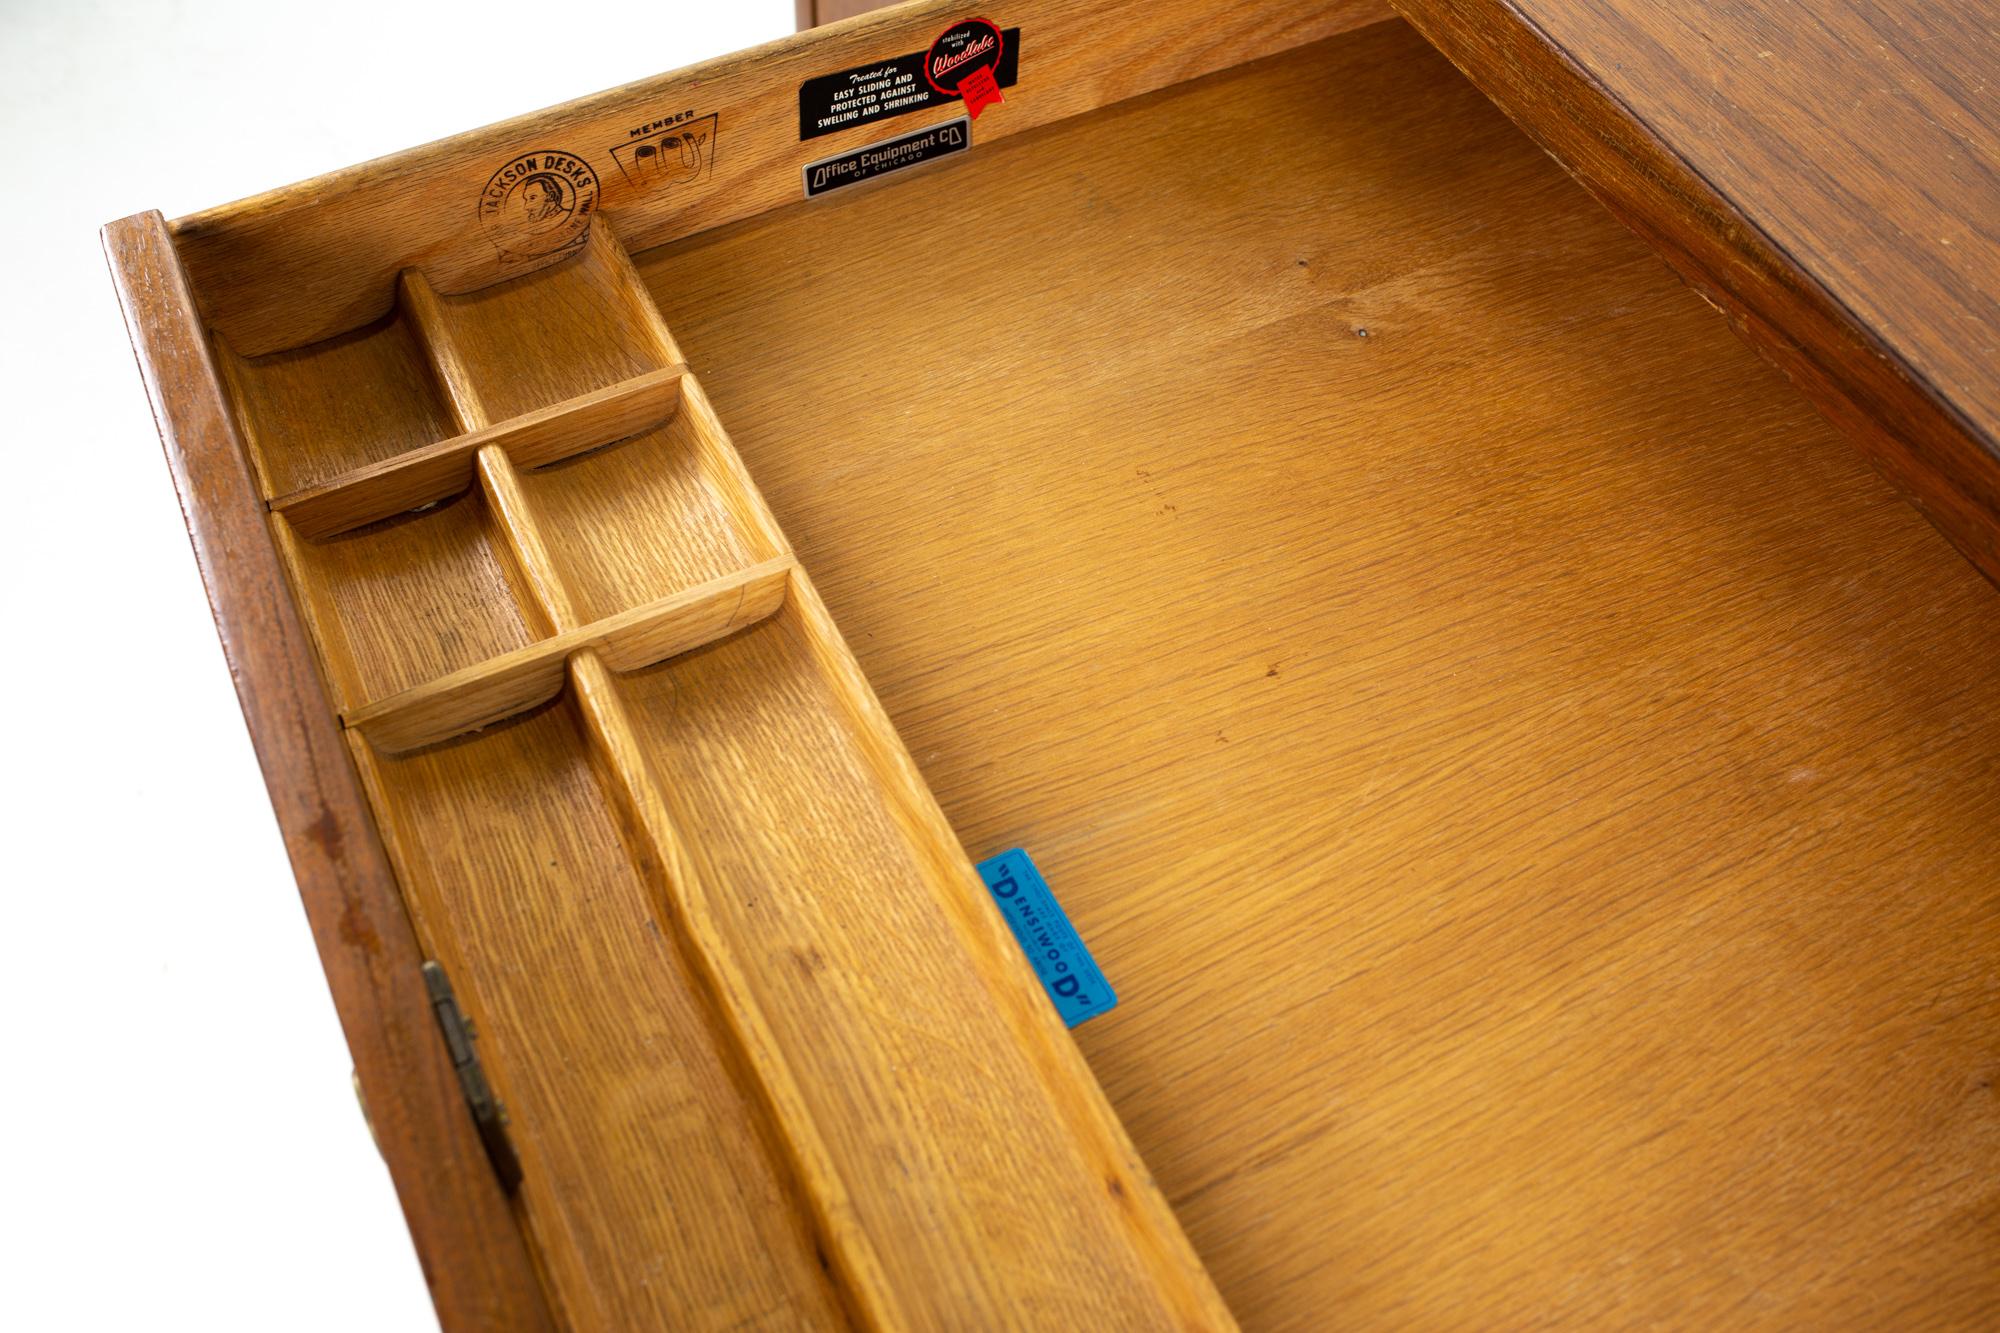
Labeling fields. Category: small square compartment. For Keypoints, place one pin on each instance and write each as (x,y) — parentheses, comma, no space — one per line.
(554,334)
(639,520)
(409,599)
(318,411)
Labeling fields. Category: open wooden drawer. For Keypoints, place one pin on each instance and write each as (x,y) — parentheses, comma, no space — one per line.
(1532,786)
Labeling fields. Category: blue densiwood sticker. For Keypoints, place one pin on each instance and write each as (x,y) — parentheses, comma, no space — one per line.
(1053,947)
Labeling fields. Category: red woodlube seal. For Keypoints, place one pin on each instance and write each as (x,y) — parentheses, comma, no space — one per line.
(962,61)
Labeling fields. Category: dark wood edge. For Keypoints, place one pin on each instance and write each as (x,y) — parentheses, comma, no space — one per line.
(804,10)
(1914,436)
(473,1255)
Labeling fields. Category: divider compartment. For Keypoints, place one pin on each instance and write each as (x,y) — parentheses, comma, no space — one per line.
(311,414)
(407,600)
(647,1175)
(515,682)
(413,596)
(403,507)
(775,835)
(629,523)
(545,337)
(897,1054)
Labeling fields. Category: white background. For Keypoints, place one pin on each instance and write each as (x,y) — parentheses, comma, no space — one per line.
(182,1146)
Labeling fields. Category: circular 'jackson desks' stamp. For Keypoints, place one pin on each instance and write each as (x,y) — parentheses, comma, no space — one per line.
(538,204)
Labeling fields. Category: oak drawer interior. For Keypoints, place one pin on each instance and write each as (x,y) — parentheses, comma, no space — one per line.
(1533,787)
(1458,691)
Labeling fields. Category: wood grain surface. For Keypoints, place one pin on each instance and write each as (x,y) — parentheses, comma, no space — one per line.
(1532,788)
(399,603)
(1531,785)
(1828,171)
(843,1058)
(472,1254)
(348,403)
(300,264)
(646,1185)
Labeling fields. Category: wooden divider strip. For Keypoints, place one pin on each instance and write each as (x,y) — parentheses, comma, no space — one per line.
(1154,1232)
(537,579)
(424,476)
(861,1279)
(1152,1227)
(604,239)
(432,323)
(719,459)
(500,687)
(1091,1117)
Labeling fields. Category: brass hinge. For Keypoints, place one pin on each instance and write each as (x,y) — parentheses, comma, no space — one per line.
(487,1112)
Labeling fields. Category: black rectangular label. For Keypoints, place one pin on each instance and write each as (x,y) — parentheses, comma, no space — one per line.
(892,87)
(879,159)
